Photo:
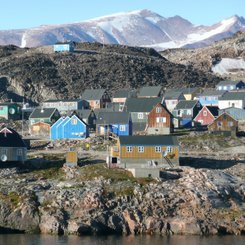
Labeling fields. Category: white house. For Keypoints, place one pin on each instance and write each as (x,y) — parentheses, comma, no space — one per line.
(232,99)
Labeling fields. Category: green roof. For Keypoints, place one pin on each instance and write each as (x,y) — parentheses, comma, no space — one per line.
(151,91)
(173,95)
(122,93)
(93,94)
(154,140)
(141,104)
(113,117)
(186,104)
(62,100)
(42,112)
(212,93)
(233,96)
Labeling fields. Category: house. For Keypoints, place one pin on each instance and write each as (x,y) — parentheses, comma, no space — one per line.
(64,46)
(139,108)
(40,129)
(142,152)
(232,99)
(206,115)
(228,85)
(116,123)
(120,96)
(210,97)
(97,98)
(46,115)
(160,120)
(88,116)
(12,147)
(224,124)
(63,106)
(69,128)
(10,111)
(186,111)
(171,99)
(150,92)
(189,93)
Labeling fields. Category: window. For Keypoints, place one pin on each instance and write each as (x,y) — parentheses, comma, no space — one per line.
(188,112)
(230,124)
(169,149)
(74,121)
(161,119)
(122,128)
(140,116)
(19,152)
(141,149)
(158,149)
(179,112)
(129,149)
(4,151)
(1,108)
(158,110)
(219,124)
(205,113)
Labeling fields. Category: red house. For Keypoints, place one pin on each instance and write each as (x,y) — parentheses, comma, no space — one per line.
(207,115)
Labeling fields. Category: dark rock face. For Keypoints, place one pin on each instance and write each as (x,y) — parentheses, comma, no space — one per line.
(39,74)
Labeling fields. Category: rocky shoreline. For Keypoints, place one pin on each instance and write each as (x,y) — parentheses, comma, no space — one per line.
(187,201)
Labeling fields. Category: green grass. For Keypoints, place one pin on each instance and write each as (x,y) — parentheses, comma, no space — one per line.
(50,173)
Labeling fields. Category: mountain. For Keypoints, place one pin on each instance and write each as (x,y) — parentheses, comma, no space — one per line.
(225,58)
(39,74)
(137,28)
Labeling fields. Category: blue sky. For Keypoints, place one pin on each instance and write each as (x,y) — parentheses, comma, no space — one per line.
(16,14)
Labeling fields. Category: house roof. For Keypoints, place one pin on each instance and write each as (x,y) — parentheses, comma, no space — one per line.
(150,91)
(153,140)
(221,115)
(10,138)
(237,113)
(186,104)
(214,110)
(141,104)
(42,112)
(122,93)
(63,100)
(212,93)
(98,110)
(172,95)
(93,94)
(228,82)
(182,90)
(113,118)
(83,114)
(233,96)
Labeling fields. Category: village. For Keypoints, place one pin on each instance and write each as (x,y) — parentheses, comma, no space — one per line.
(137,130)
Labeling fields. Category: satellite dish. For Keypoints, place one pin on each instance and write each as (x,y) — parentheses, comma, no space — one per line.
(11,111)
(4,158)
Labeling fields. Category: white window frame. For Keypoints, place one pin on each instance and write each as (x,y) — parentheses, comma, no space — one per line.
(188,112)
(158,110)
(158,149)
(19,152)
(161,119)
(231,124)
(129,149)
(169,149)
(205,113)
(140,115)
(74,121)
(141,149)
(122,128)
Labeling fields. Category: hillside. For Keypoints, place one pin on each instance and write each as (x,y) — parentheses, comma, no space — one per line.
(39,74)
(228,53)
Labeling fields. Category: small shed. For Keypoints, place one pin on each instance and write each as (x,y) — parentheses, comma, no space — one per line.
(40,129)
(64,46)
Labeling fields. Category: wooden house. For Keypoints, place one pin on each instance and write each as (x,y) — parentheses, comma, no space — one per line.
(10,111)
(46,115)
(224,124)
(115,123)
(206,115)
(236,113)
(40,129)
(139,108)
(160,120)
(64,106)
(69,128)
(232,99)
(189,93)
(97,98)
(186,111)
(171,99)
(228,85)
(145,151)
(64,46)
(150,92)
(210,97)
(120,96)
(12,147)
(88,116)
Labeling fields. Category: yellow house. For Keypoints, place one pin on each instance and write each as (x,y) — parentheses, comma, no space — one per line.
(145,151)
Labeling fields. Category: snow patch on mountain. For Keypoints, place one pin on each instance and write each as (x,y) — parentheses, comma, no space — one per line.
(227,65)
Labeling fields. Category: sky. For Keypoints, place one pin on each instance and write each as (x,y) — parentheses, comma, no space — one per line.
(17,14)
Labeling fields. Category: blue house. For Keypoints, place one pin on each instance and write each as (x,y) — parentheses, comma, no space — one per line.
(210,97)
(69,128)
(64,47)
(117,123)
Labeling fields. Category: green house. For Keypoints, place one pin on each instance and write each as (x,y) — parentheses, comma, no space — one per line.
(46,115)
(10,111)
